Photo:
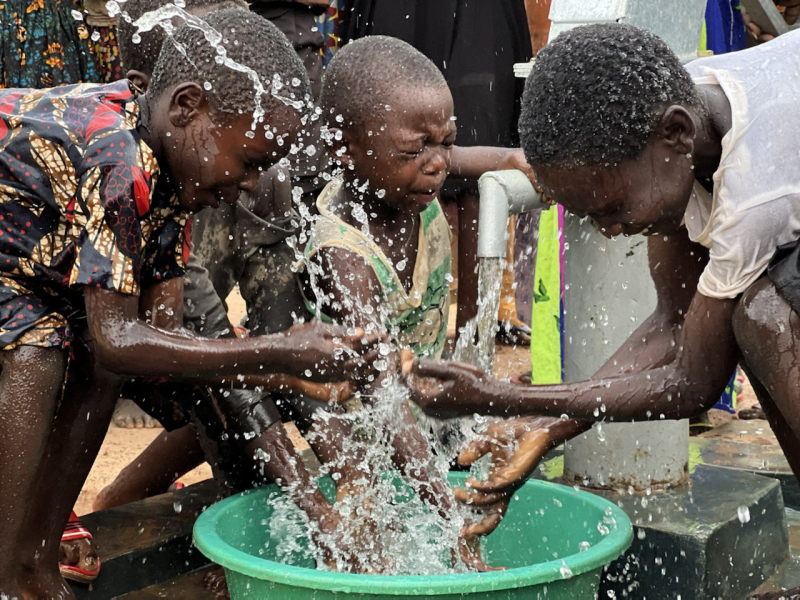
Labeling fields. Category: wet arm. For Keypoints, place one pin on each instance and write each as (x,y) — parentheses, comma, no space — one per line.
(472,162)
(672,365)
(129,346)
(706,356)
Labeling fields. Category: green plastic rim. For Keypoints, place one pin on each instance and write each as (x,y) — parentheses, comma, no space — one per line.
(209,542)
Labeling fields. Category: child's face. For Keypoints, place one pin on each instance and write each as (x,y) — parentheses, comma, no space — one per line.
(646,195)
(210,163)
(408,153)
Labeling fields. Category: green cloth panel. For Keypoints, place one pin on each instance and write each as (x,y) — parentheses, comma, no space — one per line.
(546,315)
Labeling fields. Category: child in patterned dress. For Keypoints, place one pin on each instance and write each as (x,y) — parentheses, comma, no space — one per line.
(96,183)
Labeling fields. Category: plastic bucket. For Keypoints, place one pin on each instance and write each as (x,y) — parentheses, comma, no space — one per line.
(539,541)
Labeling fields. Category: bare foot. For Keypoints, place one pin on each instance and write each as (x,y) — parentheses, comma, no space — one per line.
(129,416)
(82,554)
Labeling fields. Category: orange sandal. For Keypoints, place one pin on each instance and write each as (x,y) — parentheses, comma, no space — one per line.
(76,530)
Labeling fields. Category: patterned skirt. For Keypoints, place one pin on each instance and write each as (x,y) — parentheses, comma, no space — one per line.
(43,45)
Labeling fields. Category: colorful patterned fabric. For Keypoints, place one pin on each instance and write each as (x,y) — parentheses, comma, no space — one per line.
(329,23)
(42,45)
(105,49)
(78,206)
(418,317)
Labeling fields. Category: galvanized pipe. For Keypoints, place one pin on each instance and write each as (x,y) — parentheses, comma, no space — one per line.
(502,194)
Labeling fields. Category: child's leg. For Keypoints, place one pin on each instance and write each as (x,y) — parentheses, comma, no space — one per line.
(768,333)
(169,456)
(78,431)
(327,441)
(30,383)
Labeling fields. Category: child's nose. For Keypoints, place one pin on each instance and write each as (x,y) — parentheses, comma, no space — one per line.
(436,164)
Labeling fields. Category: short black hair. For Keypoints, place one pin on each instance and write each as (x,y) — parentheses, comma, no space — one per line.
(249,40)
(363,77)
(142,56)
(595,94)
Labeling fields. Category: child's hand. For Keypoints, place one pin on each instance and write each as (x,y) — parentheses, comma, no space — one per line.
(333,544)
(470,553)
(324,352)
(327,392)
(517,446)
(445,389)
(516,160)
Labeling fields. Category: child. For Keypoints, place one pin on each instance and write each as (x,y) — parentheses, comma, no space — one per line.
(696,159)
(96,186)
(379,255)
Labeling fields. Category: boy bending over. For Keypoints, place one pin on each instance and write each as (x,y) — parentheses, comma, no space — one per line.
(702,161)
(96,185)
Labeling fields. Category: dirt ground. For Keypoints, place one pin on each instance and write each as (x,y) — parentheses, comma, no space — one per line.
(121,445)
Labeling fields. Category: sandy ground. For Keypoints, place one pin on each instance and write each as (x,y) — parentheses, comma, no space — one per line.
(121,446)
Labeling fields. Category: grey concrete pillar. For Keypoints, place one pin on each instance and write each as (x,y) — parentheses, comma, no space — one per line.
(609,289)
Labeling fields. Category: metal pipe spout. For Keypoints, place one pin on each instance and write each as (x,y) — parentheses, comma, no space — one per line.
(502,194)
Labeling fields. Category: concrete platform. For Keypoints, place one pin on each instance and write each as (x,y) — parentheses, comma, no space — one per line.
(690,542)
(185,587)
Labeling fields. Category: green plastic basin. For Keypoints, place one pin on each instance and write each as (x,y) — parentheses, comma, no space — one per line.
(541,534)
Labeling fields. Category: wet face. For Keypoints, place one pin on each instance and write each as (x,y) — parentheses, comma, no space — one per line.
(647,195)
(211,163)
(408,153)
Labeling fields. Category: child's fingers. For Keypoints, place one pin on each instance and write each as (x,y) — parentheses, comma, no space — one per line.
(478,499)
(446,370)
(474,451)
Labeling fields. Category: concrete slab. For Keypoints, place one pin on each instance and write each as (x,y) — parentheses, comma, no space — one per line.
(690,542)
(185,587)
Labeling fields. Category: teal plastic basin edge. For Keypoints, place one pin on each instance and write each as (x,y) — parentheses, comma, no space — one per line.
(209,542)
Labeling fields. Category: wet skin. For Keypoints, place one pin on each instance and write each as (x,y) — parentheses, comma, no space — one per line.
(677,363)
(408,156)
(117,345)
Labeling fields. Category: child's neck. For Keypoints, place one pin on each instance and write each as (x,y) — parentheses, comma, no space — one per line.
(712,125)
(394,231)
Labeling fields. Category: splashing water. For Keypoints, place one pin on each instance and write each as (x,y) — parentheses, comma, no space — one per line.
(163,17)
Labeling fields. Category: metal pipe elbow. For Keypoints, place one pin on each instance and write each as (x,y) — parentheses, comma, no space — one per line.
(502,194)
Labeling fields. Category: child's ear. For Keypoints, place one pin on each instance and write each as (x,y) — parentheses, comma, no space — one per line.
(186,103)
(676,128)
(339,146)
(139,79)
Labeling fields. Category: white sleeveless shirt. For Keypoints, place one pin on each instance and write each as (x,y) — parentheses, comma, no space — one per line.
(755,206)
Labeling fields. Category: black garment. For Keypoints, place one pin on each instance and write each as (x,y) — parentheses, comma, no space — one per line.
(784,271)
(475,44)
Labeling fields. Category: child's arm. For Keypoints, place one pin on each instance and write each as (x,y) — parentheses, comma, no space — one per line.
(126,345)
(470,162)
(677,369)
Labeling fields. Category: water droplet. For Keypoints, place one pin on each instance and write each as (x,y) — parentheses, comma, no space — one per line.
(77,15)
(207,86)
(95,36)
(744,514)
(136,38)
(176,506)
(250,134)
(565,571)
(584,546)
